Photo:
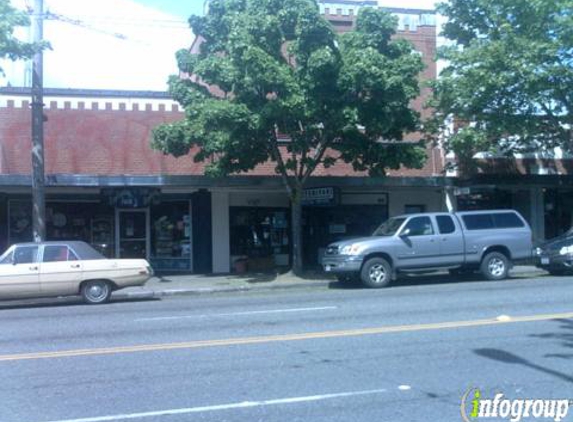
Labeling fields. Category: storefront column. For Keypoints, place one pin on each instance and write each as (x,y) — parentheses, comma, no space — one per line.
(537,213)
(220,232)
(450,200)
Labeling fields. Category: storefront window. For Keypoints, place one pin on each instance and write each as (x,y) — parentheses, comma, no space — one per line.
(20,221)
(558,204)
(324,225)
(66,220)
(171,236)
(261,235)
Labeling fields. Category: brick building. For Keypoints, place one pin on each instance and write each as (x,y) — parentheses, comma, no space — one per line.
(105,185)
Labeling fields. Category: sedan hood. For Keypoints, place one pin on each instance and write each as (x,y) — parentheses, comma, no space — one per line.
(557,243)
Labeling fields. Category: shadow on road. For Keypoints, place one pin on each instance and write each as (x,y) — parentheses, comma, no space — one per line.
(414,280)
(564,337)
(63,301)
(510,358)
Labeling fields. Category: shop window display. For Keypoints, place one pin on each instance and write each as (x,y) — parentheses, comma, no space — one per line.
(260,235)
(20,221)
(324,225)
(65,220)
(171,236)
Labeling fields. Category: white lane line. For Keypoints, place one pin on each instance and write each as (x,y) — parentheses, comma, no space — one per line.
(229,406)
(244,313)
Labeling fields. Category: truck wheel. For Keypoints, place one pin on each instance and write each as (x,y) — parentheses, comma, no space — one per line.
(376,273)
(495,266)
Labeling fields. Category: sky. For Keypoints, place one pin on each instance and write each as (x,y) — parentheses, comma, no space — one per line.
(117,44)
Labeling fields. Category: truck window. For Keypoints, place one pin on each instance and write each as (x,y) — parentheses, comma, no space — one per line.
(507,220)
(389,227)
(478,221)
(419,226)
(445,224)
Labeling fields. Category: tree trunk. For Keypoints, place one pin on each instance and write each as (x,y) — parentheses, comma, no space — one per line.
(296,230)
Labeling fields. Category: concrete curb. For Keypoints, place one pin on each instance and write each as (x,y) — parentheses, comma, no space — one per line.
(150,293)
(153,294)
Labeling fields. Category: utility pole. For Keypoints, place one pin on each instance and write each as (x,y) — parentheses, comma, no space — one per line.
(38,182)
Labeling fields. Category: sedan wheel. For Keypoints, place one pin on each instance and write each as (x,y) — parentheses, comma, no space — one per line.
(376,272)
(96,291)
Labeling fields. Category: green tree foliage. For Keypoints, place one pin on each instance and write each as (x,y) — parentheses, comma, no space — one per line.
(279,68)
(509,75)
(10,47)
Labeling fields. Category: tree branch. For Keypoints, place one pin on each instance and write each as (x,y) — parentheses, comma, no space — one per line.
(316,159)
(282,169)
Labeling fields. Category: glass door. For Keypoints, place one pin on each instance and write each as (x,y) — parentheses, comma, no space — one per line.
(132,234)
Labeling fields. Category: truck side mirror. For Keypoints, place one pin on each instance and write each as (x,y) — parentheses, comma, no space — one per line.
(405,233)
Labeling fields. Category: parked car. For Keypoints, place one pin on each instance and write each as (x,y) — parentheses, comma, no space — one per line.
(51,269)
(488,241)
(556,255)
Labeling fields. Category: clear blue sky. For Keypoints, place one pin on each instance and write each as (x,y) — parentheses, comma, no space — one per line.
(182,8)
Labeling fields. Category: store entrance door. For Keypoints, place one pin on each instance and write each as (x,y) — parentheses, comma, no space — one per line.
(132,233)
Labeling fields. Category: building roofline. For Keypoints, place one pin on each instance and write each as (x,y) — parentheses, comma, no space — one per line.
(407,11)
(86,180)
(75,92)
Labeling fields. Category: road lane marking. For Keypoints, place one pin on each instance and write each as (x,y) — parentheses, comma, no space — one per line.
(281,337)
(229,406)
(243,313)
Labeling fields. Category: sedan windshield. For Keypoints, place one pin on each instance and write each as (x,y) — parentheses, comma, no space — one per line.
(6,257)
(389,227)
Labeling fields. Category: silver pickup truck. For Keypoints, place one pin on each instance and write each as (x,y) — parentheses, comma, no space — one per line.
(488,241)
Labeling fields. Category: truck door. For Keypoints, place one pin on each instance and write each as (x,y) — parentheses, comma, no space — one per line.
(451,240)
(418,245)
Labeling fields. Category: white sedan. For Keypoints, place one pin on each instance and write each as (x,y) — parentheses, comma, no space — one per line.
(50,269)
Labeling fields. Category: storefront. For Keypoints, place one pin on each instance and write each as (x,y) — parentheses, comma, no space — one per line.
(189,225)
(331,215)
(544,201)
(127,223)
(260,236)
(558,211)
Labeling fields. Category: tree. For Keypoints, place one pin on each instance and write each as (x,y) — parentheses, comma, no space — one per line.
(509,76)
(277,67)
(10,47)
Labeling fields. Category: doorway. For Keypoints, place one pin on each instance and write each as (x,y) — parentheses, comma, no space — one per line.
(132,233)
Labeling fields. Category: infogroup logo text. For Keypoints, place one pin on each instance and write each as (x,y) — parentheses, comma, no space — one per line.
(474,407)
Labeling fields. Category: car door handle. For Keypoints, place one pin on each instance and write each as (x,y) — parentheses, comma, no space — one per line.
(33,268)
(76,266)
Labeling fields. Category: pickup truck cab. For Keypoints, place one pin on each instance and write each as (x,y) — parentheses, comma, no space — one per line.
(488,241)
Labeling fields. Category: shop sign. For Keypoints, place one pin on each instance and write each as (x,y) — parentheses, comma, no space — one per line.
(320,196)
(132,197)
(461,191)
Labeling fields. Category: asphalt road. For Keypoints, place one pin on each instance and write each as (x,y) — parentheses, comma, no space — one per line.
(407,353)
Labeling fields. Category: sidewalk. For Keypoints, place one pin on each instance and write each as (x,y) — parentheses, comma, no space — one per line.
(191,284)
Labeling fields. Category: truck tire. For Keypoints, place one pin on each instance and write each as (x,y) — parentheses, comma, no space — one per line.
(495,266)
(376,273)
